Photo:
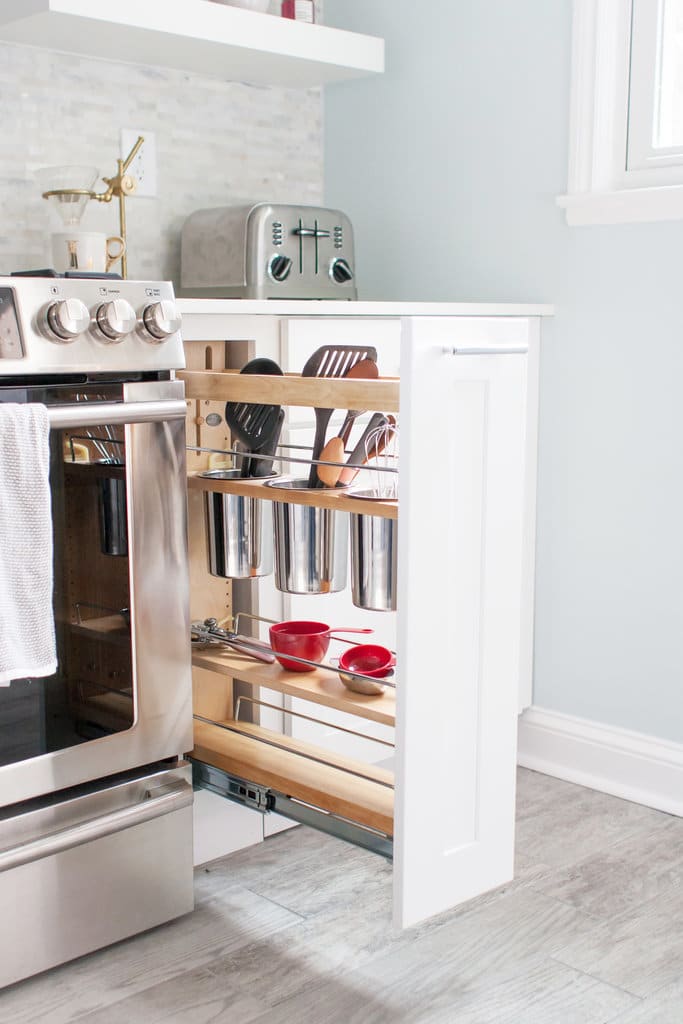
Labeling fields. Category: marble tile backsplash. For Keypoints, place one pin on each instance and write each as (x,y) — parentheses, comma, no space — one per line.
(217,142)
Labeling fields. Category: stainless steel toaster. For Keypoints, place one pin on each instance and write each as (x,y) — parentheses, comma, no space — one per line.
(268,251)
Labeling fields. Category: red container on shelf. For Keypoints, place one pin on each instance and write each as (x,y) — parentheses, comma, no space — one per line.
(298,10)
(304,639)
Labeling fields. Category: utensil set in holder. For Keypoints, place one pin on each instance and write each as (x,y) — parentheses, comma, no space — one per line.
(305,545)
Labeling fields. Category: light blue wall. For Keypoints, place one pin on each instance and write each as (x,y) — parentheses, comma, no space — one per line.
(449,166)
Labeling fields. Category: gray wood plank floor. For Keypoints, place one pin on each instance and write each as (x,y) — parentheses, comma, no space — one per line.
(298,931)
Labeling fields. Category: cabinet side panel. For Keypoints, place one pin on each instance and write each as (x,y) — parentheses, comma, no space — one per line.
(526,668)
(463,429)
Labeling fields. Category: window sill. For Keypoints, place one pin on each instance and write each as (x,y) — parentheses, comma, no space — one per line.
(626,206)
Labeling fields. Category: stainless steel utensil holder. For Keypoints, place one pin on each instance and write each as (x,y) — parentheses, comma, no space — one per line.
(113,512)
(239,532)
(311,546)
(374,560)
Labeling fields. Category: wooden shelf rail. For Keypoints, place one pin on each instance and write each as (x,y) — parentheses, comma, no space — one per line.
(320,498)
(309,392)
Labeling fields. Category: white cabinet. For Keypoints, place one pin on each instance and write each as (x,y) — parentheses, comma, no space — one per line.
(467,490)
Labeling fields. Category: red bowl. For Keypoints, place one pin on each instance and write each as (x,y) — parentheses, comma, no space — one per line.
(368,659)
(302,639)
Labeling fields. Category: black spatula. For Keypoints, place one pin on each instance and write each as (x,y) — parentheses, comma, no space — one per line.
(331,361)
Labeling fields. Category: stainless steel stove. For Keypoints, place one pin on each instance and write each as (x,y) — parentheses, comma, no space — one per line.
(95,799)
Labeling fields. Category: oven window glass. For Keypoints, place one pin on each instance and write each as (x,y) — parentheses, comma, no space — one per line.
(92,693)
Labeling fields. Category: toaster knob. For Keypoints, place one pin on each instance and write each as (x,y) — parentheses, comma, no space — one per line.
(115,320)
(160,320)
(65,320)
(340,271)
(279,268)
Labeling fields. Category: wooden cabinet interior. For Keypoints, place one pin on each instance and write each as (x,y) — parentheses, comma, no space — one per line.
(354,792)
(90,590)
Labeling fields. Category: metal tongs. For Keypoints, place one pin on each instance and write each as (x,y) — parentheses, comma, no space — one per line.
(208,632)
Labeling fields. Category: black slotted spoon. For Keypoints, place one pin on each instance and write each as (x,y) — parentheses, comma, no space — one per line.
(331,361)
(255,426)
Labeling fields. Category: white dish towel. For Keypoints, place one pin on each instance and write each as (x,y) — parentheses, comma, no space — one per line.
(27,632)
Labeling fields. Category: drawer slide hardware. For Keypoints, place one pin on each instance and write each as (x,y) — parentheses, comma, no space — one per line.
(258,798)
(265,800)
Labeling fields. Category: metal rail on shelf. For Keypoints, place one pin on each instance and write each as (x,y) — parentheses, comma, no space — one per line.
(308,718)
(384,680)
(267,742)
(287,458)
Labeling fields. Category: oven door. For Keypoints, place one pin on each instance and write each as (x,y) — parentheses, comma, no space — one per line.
(121,696)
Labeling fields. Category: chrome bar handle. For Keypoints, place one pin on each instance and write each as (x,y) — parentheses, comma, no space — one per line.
(456,350)
(101,414)
(156,802)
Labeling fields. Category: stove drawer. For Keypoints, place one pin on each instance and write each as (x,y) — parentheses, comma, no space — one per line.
(93,869)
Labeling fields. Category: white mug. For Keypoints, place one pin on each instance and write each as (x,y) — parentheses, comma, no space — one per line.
(85,250)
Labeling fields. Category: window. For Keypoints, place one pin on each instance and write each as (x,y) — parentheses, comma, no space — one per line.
(626,119)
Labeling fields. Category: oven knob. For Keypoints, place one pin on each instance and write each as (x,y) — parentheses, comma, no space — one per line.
(66,320)
(341,271)
(279,268)
(115,320)
(160,320)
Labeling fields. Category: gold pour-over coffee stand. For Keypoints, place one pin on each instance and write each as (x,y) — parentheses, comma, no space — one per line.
(121,185)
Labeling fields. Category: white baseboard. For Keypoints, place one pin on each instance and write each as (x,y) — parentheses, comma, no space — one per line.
(626,764)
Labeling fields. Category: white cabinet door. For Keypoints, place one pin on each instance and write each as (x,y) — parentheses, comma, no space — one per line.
(462,499)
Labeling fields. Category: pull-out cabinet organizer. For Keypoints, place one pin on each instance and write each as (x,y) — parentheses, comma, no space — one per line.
(467,401)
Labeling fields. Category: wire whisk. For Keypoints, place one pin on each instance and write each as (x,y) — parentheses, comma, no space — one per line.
(381,453)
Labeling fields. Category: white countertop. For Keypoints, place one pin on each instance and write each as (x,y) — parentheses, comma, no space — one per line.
(331,308)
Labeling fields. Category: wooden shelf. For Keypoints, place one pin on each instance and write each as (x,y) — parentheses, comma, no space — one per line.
(324,497)
(196,36)
(309,392)
(258,755)
(109,628)
(318,686)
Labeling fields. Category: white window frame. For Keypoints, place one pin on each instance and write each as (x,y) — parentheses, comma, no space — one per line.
(600,189)
(642,154)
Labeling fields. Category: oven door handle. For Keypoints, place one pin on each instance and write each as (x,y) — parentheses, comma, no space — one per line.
(156,802)
(100,414)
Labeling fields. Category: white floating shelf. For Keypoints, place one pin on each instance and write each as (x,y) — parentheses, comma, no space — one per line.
(197,36)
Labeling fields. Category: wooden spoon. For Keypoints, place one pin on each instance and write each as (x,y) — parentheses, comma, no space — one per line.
(366,369)
(332,452)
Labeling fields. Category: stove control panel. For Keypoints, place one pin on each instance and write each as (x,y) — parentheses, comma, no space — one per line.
(60,325)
